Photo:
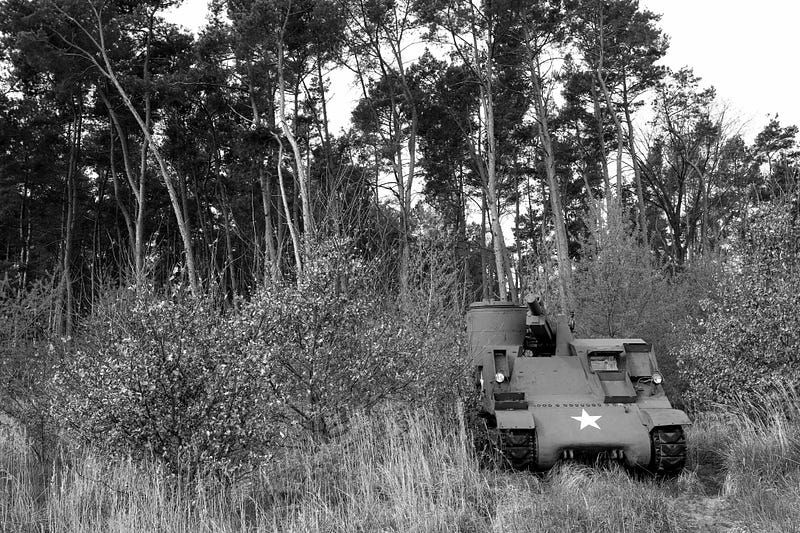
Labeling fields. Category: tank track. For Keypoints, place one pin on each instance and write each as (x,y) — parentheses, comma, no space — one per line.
(518,448)
(669,450)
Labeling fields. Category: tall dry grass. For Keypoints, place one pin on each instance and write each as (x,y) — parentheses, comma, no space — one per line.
(411,471)
(399,471)
(763,463)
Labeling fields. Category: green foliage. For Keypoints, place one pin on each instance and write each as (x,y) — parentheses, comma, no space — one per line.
(747,342)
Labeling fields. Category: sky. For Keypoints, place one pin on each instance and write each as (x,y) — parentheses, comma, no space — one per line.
(743,48)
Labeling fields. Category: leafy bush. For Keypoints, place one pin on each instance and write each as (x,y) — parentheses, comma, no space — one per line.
(748,342)
(200,386)
(170,377)
(620,291)
(341,346)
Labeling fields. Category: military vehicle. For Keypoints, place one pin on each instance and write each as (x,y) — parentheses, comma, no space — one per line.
(546,396)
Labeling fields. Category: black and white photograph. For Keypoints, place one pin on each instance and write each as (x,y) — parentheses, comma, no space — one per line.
(372,266)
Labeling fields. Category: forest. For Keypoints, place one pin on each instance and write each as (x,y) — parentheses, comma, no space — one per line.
(205,278)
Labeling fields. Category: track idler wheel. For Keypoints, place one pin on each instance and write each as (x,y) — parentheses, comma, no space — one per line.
(669,450)
(518,448)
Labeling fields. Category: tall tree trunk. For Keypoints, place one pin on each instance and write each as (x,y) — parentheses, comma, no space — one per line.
(118,198)
(137,185)
(637,171)
(617,129)
(25,232)
(269,239)
(293,231)
(231,263)
(483,68)
(402,196)
(301,173)
(183,224)
(256,270)
(141,212)
(96,234)
(411,146)
(704,243)
(272,271)
(504,281)
(598,72)
(463,244)
(148,122)
(677,236)
(326,136)
(484,263)
(562,245)
(516,234)
(107,70)
(601,146)
(206,228)
(69,225)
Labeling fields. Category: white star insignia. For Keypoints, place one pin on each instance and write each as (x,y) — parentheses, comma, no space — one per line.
(587,420)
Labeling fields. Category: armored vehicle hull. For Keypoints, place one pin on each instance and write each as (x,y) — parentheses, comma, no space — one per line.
(547,396)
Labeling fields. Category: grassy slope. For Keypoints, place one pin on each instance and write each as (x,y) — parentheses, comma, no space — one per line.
(414,472)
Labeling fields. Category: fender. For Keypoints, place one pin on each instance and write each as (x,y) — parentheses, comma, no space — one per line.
(663,417)
(515,419)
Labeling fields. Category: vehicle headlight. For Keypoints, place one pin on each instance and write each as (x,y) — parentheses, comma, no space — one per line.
(499,377)
(657,378)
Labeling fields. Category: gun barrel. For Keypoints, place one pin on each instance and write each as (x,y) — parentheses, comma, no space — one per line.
(535,305)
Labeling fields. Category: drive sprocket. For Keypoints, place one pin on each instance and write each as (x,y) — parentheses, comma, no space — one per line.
(668,450)
(519,448)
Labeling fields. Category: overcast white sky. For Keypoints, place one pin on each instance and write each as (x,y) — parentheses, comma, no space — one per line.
(746,49)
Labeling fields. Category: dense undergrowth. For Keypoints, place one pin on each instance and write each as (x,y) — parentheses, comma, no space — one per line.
(415,471)
(166,413)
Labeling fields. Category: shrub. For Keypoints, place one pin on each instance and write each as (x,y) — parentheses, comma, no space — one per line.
(200,386)
(620,291)
(340,346)
(748,342)
(170,377)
